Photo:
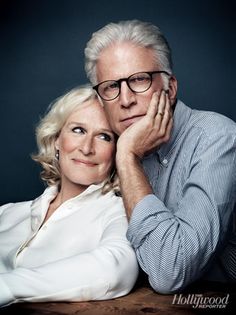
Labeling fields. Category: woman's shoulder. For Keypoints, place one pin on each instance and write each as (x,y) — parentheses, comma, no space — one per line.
(112,205)
(15,209)
(113,199)
(19,204)
(103,201)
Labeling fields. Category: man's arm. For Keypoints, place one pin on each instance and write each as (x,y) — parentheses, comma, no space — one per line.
(174,246)
(136,141)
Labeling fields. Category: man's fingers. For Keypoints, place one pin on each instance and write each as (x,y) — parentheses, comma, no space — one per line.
(164,120)
(162,104)
(164,111)
(153,106)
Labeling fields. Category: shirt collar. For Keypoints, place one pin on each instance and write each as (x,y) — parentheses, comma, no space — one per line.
(181,117)
(40,205)
(94,188)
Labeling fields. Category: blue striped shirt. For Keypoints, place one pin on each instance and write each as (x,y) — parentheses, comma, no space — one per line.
(185,230)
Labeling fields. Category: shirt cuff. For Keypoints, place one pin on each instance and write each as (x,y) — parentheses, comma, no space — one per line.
(145,218)
(6,296)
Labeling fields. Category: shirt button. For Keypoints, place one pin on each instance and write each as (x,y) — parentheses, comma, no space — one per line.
(165,161)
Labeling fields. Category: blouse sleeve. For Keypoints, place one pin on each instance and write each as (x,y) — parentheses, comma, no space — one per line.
(107,272)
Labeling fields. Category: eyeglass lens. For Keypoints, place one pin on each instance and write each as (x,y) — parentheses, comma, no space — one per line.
(138,82)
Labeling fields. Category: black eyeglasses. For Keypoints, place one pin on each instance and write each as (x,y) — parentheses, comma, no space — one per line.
(138,82)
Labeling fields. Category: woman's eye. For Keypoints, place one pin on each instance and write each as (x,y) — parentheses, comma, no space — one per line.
(78,130)
(105,137)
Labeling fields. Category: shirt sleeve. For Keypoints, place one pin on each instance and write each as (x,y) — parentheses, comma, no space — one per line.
(4,207)
(175,246)
(109,271)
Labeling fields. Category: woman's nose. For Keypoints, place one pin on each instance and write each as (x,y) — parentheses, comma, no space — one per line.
(87,146)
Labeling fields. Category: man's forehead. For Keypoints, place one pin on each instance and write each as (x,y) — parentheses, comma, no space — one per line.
(123,59)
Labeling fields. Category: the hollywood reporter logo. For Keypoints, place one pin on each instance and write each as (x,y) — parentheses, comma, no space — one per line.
(200,301)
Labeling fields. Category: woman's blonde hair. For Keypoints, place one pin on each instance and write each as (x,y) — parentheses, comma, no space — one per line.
(49,129)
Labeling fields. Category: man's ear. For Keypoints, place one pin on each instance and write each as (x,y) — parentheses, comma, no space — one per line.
(173,85)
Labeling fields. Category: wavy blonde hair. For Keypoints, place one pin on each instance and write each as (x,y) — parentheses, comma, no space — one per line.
(49,129)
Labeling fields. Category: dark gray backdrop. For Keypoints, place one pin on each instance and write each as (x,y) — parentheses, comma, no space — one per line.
(41,57)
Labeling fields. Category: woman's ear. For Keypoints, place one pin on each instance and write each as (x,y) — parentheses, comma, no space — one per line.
(56,144)
(173,85)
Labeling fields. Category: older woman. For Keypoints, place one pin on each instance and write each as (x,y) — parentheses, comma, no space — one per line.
(70,243)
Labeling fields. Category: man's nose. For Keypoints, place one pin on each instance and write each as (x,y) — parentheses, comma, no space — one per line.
(127,96)
(86,146)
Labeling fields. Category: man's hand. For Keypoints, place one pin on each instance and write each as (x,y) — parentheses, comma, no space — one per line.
(137,140)
(150,131)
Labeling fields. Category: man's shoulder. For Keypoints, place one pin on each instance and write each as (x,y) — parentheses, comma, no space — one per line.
(212,123)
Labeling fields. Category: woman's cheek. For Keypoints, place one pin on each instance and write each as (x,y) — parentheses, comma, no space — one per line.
(68,144)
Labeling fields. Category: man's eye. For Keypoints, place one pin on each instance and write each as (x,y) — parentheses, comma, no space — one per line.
(139,79)
(105,137)
(111,86)
(78,130)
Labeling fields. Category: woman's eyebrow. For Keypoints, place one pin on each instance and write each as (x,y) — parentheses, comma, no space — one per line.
(86,125)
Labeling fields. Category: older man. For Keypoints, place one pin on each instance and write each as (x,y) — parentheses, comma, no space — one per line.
(177,166)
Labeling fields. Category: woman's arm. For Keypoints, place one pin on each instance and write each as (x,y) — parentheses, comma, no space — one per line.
(107,272)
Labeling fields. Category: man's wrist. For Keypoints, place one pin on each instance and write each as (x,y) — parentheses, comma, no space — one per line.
(124,160)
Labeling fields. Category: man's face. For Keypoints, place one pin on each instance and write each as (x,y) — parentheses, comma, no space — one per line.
(120,61)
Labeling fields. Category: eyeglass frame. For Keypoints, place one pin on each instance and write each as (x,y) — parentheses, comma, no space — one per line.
(150,73)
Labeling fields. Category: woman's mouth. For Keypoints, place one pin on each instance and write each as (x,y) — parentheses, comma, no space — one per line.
(84,162)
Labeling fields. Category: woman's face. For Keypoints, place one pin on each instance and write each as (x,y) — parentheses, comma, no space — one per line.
(86,147)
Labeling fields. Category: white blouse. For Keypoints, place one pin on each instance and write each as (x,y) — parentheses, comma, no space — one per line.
(80,253)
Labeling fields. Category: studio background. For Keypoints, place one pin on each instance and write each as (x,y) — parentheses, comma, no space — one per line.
(42,57)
